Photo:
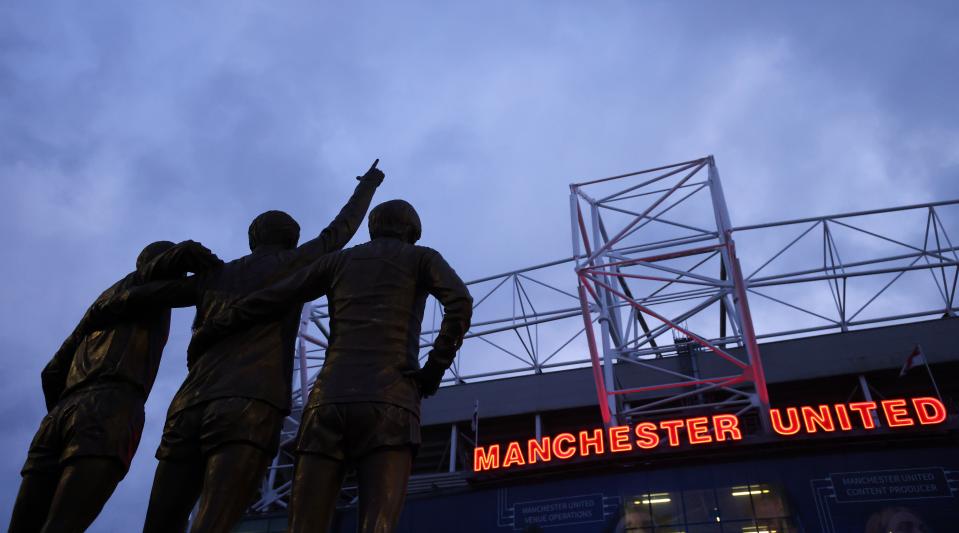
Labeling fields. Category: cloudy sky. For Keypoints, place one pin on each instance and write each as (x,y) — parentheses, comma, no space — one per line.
(122,123)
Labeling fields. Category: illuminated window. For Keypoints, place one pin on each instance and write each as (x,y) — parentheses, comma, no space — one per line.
(667,510)
(704,528)
(746,508)
(639,512)
(735,503)
(758,529)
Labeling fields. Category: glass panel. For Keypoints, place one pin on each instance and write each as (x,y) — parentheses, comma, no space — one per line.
(704,528)
(741,526)
(666,507)
(637,515)
(765,526)
(774,526)
(700,505)
(655,508)
(745,508)
(768,501)
(735,503)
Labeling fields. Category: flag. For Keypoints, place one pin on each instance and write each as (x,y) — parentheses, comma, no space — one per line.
(475,423)
(915,358)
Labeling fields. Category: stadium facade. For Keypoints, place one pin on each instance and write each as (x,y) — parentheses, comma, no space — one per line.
(831,481)
(808,385)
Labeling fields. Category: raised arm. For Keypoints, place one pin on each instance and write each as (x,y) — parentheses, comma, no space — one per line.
(302,286)
(449,289)
(344,226)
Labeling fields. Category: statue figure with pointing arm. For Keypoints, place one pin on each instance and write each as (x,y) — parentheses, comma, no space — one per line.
(363,411)
(224,423)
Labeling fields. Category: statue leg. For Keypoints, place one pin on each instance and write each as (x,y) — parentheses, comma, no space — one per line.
(233,473)
(33,501)
(85,486)
(382,477)
(176,486)
(316,486)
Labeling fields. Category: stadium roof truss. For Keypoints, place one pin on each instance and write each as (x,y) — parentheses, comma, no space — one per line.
(643,285)
(646,246)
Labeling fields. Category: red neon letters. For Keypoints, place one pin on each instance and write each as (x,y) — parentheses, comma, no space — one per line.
(776,417)
(564,452)
(727,427)
(826,418)
(616,439)
(895,413)
(927,417)
(619,439)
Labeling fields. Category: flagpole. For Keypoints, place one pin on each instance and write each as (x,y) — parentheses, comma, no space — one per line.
(925,361)
(476,422)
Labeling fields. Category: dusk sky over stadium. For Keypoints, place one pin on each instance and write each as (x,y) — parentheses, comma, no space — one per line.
(125,123)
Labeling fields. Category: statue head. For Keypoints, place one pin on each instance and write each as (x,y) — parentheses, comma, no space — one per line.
(395,218)
(151,251)
(274,228)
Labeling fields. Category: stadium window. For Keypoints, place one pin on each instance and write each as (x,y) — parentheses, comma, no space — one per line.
(661,512)
(704,528)
(638,514)
(776,526)
(768,502)
(657,509)
(700,506)
(746,508)
(735,502)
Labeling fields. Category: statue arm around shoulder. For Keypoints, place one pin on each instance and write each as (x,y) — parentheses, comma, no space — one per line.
(187,256)
(447,287)
(145,298)
(163,285)
(301,286)
(344,226)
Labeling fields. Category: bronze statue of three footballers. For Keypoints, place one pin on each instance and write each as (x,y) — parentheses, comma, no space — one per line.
(223,425)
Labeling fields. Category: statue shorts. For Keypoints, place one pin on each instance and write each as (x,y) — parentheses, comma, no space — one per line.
(103,420)
(195,432)
(349,431)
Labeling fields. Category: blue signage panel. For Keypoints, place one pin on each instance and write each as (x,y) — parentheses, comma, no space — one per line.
(879,485)
(558,511)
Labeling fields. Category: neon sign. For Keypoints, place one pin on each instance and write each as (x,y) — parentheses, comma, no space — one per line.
(700,430)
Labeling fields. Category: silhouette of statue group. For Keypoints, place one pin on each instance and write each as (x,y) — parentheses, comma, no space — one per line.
(223,425)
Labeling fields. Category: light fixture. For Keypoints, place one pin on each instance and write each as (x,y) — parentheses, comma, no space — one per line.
(649,499)
(750,490)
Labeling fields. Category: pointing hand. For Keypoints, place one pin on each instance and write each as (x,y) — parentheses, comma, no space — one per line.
(373,174)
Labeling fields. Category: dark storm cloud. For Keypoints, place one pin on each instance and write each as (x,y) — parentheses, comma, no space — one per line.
(126,122)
